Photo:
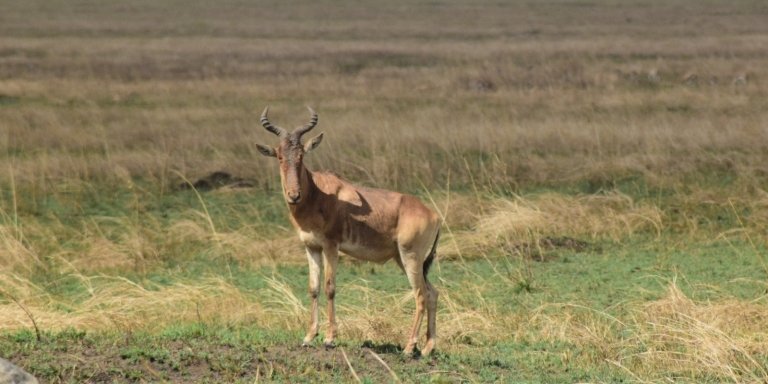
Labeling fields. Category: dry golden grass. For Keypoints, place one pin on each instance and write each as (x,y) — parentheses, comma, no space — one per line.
(117,303)
(703,338)
(509,222)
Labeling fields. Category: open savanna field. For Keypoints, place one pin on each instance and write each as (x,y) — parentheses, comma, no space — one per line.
(601,168)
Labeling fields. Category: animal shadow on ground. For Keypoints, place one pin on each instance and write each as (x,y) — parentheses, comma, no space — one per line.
(382,348)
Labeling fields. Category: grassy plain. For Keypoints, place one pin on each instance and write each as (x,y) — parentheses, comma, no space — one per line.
(601,167)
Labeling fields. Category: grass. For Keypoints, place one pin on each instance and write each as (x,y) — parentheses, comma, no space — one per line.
(600,167)
(583,313)
(611,306)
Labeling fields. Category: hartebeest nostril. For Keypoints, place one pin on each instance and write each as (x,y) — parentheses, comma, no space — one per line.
(294,198)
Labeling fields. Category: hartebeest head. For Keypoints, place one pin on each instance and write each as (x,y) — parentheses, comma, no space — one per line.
(290,153)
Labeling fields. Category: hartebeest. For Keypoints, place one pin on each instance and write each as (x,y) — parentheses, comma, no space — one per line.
(332,215)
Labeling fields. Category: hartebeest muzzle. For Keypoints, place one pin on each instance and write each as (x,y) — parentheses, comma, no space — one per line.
(293,198)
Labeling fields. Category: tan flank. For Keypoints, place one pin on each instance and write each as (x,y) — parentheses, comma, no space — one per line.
(332,215)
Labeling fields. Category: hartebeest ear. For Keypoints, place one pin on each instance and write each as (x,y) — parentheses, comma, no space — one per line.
(313,143)
(266,151)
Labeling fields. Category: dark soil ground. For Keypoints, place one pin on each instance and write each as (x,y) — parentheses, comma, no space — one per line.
(200,357)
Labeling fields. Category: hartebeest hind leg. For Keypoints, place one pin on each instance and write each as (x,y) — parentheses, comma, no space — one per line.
(412,260)
(432,295)
(419,292)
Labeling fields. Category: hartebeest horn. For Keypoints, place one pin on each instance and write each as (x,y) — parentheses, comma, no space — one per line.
(312,123)
(265,122)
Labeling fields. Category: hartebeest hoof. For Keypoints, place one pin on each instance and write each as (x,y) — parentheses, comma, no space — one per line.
(329,345)
(428,348)
(308,340)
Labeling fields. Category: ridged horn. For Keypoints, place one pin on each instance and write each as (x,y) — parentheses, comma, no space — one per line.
(312,123)
(272,128)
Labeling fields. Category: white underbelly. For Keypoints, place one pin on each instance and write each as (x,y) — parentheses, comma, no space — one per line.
(354,249)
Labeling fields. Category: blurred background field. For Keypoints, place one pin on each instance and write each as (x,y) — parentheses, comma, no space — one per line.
(601,167)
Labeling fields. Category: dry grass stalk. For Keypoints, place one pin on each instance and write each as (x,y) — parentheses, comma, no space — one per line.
(351,370)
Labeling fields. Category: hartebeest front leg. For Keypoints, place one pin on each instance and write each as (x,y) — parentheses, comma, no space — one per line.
(330,258)
(314,258)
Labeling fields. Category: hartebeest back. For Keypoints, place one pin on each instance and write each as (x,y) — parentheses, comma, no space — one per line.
(332,215)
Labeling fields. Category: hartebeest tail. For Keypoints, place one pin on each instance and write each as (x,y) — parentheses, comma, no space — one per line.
(331,215)
(431,256)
